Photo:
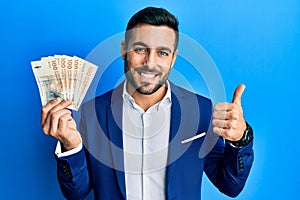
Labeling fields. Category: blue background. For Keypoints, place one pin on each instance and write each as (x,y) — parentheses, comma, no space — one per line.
(254,42)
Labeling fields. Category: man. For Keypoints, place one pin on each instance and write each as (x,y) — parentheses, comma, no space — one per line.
(139,139)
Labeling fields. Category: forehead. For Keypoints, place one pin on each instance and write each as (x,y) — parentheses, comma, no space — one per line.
(152,36)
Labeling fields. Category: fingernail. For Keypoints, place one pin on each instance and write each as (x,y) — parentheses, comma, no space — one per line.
(67,101)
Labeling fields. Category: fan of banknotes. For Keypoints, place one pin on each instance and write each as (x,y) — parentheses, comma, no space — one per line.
(63,76)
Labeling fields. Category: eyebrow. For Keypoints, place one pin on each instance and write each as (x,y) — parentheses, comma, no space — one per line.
(165,49)
(159,48)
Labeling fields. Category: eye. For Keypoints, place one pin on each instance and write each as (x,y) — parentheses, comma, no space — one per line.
(140,50)
(163,53)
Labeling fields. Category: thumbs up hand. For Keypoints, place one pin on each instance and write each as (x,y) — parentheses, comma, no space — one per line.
(228,119)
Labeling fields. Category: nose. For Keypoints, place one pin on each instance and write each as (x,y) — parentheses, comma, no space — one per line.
(150,57)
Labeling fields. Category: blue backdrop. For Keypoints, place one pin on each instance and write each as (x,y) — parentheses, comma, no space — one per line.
(253,42)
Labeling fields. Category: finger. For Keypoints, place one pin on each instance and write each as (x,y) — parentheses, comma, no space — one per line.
(63,123)
(225,133)
(220,115)
(224,106)
(59,106)
(49,123)
(72,124)
(219,131)
(62,105)
(225,124)
(219,123)
(69,136)
(227,115)
(47,108)
(237,96)
(52,122)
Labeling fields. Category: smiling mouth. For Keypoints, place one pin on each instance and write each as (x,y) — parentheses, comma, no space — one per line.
(148,75)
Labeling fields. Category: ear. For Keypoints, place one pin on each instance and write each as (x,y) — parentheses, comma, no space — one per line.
(123,49)
(174,57)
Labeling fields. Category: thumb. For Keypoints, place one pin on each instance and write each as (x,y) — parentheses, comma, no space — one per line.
(237,96)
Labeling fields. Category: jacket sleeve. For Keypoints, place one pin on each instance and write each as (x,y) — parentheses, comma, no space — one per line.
(73,175)
(228,167)
(73,171)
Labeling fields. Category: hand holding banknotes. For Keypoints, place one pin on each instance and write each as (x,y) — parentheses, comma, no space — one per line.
(63,82)
(57,122)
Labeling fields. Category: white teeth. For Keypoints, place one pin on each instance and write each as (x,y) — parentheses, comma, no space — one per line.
(149,76)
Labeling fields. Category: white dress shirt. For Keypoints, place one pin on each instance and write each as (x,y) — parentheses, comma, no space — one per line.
(145,146)
(145,143)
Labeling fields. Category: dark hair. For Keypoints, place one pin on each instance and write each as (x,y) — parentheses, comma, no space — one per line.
(154,16)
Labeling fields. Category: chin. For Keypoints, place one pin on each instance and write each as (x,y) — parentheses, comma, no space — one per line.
(148,90)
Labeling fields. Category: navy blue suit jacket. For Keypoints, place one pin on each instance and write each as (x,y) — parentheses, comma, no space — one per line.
(99,165)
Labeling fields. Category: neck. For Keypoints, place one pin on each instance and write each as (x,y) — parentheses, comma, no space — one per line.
(146,101)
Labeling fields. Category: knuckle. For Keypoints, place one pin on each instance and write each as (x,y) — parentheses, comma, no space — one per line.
(52,133)
(235,116)
(61,120)
(231,115)
(216,106)
(230,124)
(65,117)
(44,110)
(51,112)
(45,130)
(68,113)
(214,114)
(215,129)
(214,122)
(227,106)
(55,116)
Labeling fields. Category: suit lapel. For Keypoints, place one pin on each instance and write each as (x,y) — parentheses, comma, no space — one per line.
(184,124)
(114,112)
(173,141)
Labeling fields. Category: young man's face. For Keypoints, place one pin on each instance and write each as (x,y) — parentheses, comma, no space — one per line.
(149,56)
